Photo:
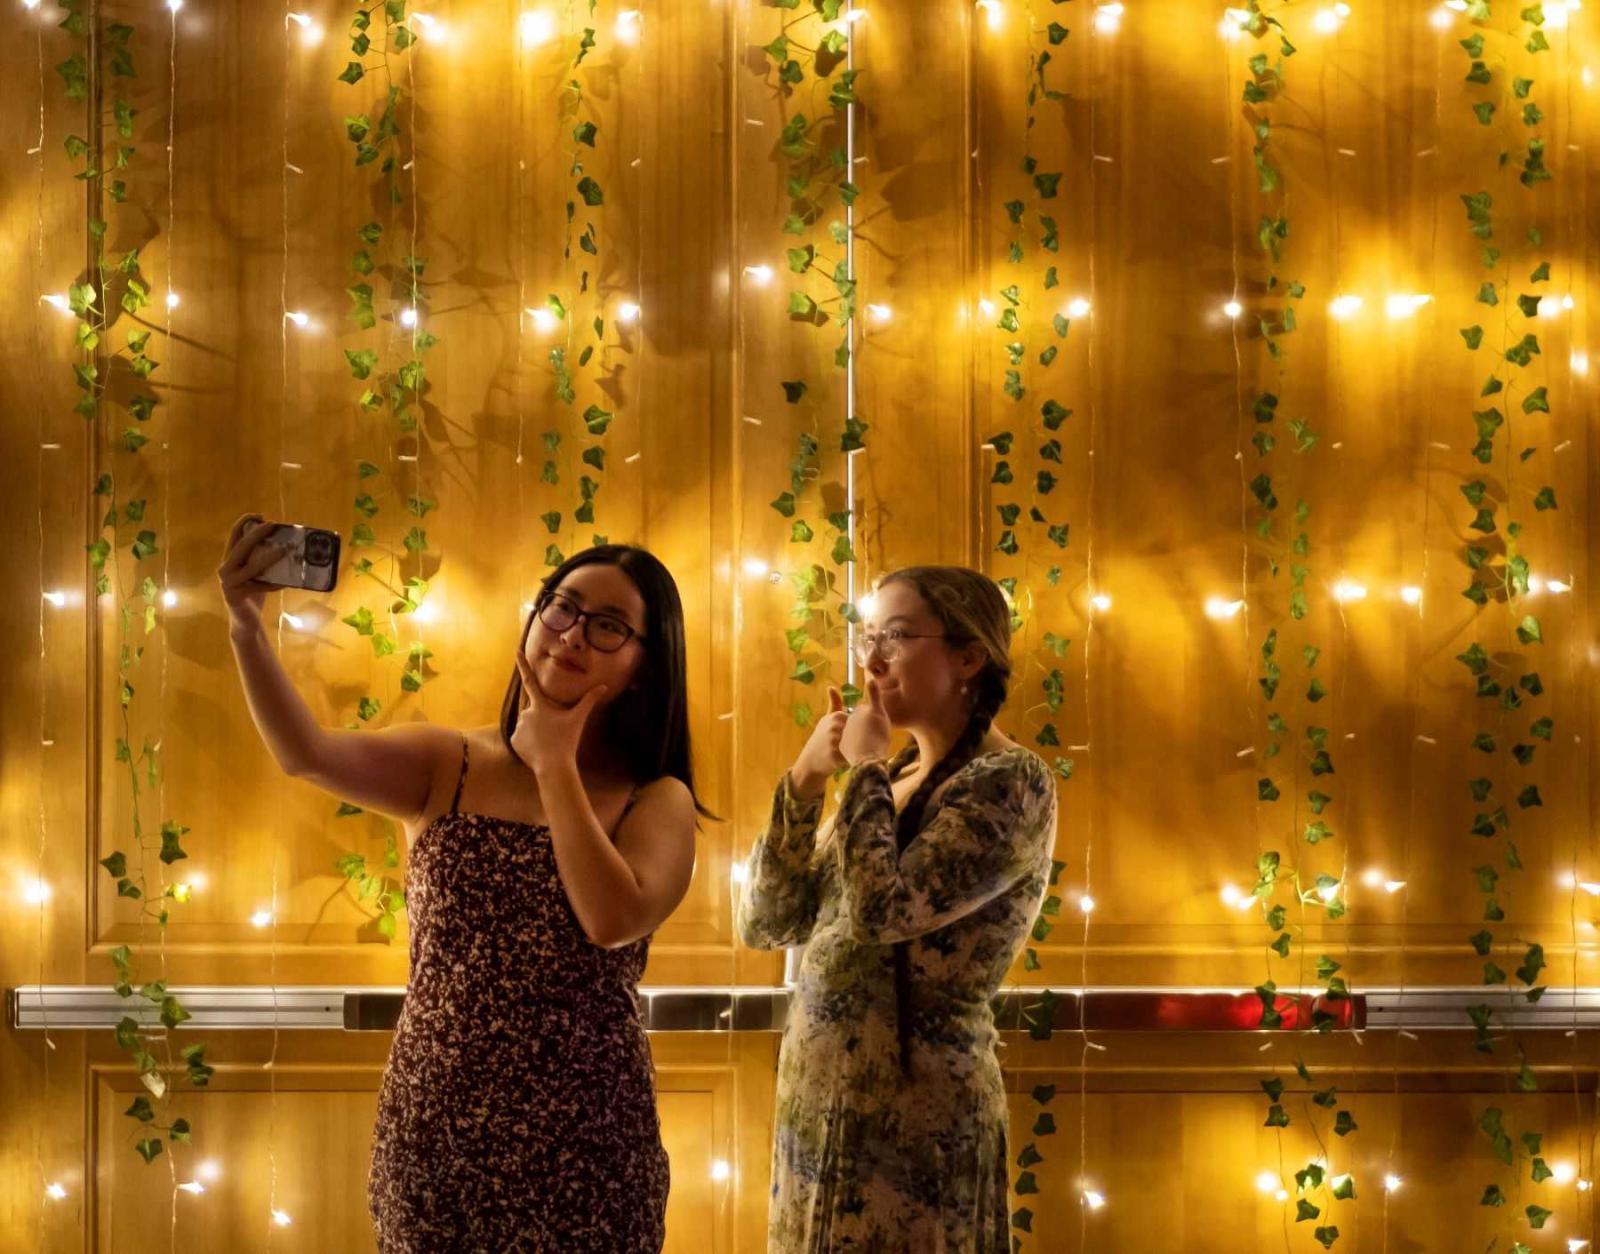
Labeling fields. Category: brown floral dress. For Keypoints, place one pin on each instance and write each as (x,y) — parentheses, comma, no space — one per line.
(866,1159)
(518,1108)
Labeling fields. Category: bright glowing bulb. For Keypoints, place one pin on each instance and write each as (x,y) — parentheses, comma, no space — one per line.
(1372,877)
(293,621)
(1555,16)
(1345,590)
(1267,1182)
(536,28)
(739,873)
(1230,895)
(30,4)
(408,317)
(1567,302)
(1549,307)
(543,319)
(1093,1200)
(35,892)
(1411,594)
(1564,1173)
(1108,18)
(1391,1182)
(169,598)
(261,918)
(628,22)
(192,1186)
(208,1170)
(992,10)
(627,312)
(756,568)
(298,318)
(55,1191)
(1233,309)
(1535,584)
(1393,886)
(1343,307)
(1328,892)
(867,606)
(1326,21)
(1584,1186)
(1100,601)
(720,1169)
(1442,18)
(58,301)
(1403,306)
(986,308)
(760,275)
(282,1218)
(431,27)
(1574,1244)
(1221,607)
(310,31)
(855,15)
(880,313)
(173,300)
(1234,22)
(57,599)
(300,19)
(1559,585)
(1579,362)
(1086,904)
(174,5)
(1078,308)
(197,880)
(427,612)
(1588,886)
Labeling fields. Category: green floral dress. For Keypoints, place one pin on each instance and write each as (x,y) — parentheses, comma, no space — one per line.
(865,1157)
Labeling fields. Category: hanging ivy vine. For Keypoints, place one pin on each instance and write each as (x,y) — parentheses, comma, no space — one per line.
(113,380)
(1503,674)
(810,55)
(389,364)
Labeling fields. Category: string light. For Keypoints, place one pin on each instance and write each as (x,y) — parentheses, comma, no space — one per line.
(1328,21)
(55,1190)
(755,567)
(1108,18)
(192,1186)
(992,10)
(1403,306)
(739,873)
(169,598)
(35,892)
(1079,308)
(1442,18)
(408,317)
(261,918)
(628,25)
(1328,891)
(1584,1186)
(1100,601)
(1549,307)
(281,1218)
(986,307)
(1411,594)
(298,317)
(867,606)
(1345,590)
(197,880)
(310,32)
(182,892)
(293,621)
(1580,362)
(1574,1244)
(1392,1183)
(174,5)
(627,312)
(431,27)
(1342,307)
(1557,12)
(1086,904)
(543,319)
(57,599)
(58,301)
(1093,1200)
(880,313)
(1233,309)
(760,275)
(720,1169)
(209,1170)
(1222,608)
(536,28)
(1234,22)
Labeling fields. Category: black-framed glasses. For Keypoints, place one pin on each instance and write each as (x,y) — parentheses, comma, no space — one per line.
(603,631)
(887,643)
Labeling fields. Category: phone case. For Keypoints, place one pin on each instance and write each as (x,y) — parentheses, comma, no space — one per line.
(292,570)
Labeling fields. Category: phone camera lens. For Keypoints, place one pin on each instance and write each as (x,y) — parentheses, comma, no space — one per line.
(319,548)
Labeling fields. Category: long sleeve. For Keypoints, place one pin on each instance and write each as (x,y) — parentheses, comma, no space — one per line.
(778,906)
(991,828)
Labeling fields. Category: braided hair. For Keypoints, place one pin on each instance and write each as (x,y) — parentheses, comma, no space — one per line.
(971,609)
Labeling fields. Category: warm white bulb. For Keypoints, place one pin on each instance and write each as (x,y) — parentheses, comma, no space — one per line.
(1567,301)
(1584,1186)
(867,605)
(1442,18)
(299,318)
(1078,308)
(192,1186)
(1093,1200)
(57,599)
(1574,1244)
(986,307)
(1535,585)
(1563,1173)
(1345,590)
(756,568)
(174,5)
(197,880)
(169,598)
(1325,22)
(58,301)
(1342,307)
(761,275)
(1391,1182)
(293,621)
(536,28)
(300,19)
(739,873)
(628,25)
(35,892)
(1549,307)
(55,1191)
(1411,594)
(1234,22)
(992,10)
(1579,362)
(1555,15)
(720,1169)
(208,1170)
(1100,601)
(1233,309)
(1086,904)
(1404,305)
(1229,895)
(282,1218)
(261,918)
(1372,877)
(627,312)
(1393,886)
(427,612)
(432,29)
(1267,1182)
(1221,607)
(1559,585)
(543,319)
(1328,892)
(172,300)
(1108,18)
(408,317)
(881,313)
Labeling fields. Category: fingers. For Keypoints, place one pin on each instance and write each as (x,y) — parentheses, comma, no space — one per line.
(246,536)
(253,565)
(530,685)
(873,695)
(835,701)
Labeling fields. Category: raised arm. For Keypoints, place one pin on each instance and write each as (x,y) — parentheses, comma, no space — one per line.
(778,904)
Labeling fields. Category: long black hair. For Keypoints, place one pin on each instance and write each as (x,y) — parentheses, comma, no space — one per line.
(971,609)
(648,724)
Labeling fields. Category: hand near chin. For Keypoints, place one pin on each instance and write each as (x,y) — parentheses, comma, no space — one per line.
(548,733)
(866,732)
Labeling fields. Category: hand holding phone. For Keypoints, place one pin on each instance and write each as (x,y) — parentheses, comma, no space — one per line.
(262,556)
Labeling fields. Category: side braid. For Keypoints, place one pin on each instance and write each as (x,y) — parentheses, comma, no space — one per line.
(991,696)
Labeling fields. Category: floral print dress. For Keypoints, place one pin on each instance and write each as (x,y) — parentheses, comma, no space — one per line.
(866,1156)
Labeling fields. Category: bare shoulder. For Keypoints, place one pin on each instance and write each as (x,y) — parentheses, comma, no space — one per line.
(668,795)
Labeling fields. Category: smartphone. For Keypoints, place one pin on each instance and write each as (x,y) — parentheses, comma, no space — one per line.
(310,558)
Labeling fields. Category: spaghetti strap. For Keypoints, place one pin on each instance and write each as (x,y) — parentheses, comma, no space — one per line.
(461,780)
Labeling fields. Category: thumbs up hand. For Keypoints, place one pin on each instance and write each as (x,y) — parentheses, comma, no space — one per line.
(866,733)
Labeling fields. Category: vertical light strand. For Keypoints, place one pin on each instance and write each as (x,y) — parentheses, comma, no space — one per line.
(414,303)
(519,196)
(169,306)
(41,887)
(851,456)
(1088,642)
